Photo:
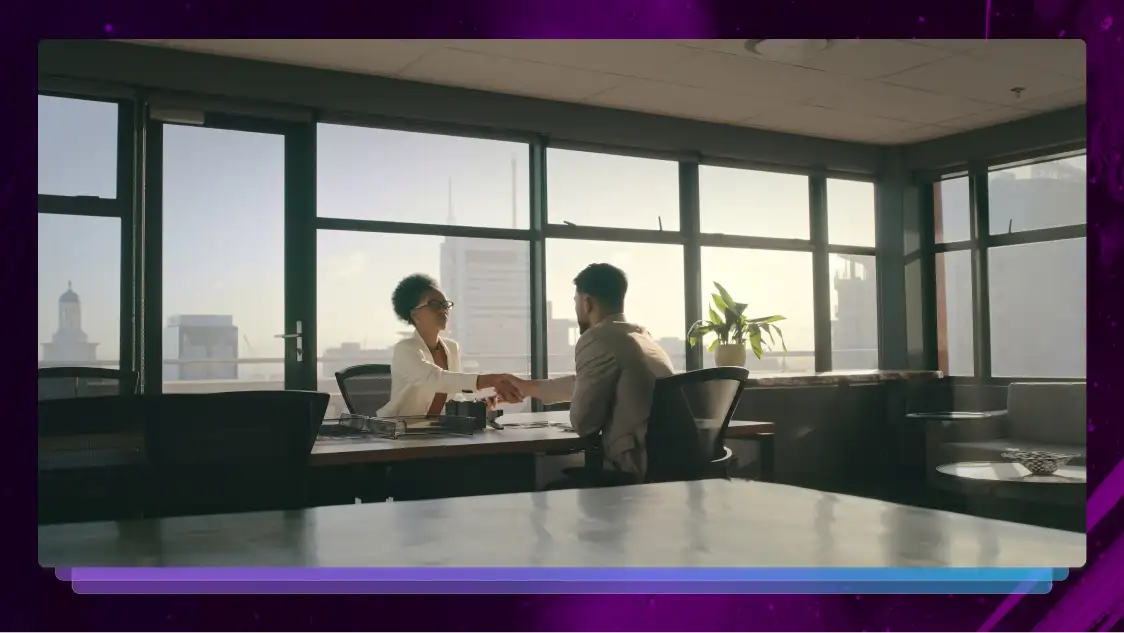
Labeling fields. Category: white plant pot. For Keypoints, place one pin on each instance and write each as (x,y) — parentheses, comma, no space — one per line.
(729,355)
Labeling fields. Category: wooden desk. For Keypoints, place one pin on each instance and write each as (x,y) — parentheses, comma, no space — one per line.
(511,440)
(713,523)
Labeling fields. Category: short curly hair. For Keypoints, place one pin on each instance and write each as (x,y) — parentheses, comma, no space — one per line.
(409,292)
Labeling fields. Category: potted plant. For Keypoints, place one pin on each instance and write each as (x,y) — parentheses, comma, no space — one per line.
(733,330)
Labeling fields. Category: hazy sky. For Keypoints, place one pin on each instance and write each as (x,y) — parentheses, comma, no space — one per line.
(223,223)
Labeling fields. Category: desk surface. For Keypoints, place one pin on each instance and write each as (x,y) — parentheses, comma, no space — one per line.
(713,523)
(510,440)
(124,449)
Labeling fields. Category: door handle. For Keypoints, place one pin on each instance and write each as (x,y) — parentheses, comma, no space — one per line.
(298,337)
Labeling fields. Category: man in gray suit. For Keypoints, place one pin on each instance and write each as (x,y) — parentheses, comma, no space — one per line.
(617,364)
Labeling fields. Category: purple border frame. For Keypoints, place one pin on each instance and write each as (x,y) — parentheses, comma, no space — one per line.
(1093,598)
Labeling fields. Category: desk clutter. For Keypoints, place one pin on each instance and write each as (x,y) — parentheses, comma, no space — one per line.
(460,418)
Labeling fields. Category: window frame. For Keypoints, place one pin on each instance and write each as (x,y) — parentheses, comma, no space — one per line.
(122,206)
(980,242)
(133,150)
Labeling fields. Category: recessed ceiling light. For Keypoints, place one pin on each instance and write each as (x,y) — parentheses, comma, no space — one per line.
(787,51)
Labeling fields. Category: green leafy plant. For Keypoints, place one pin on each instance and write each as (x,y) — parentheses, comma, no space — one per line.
(731,327)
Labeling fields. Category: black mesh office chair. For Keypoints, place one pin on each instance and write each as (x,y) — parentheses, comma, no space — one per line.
(90,459)
(365,388)
(60,383)
(687,429)
(230,452)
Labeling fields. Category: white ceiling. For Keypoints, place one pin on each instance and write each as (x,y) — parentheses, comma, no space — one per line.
(876,91)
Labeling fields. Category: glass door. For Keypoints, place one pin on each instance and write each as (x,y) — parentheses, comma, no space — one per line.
(226,304)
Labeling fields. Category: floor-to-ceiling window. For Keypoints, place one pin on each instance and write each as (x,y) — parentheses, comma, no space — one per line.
(1010,271)
(619,210)
(83,203)
(395,203)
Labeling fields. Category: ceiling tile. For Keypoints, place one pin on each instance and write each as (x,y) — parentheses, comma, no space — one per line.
(873,58)
(983,81)
(731,47)
(375,57)
(1064,57)
(745,75)
(956,46)
(634,58)
(827,123)
(994,116)
(896,102)
(914,135)
(1056,101)
(500,74)
(682,101)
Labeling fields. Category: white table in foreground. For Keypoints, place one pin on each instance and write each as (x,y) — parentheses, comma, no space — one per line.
(713,523)
(1012,472)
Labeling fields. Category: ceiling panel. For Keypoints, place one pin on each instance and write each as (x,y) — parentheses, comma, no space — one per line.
(963,76)
(827,123)
(897,102)
(644,59)
(682,101)
(1063,57)
(745,75)
(885,91)
(873,58)
(485,72)
(376,57)
(994,116)
(1056,101)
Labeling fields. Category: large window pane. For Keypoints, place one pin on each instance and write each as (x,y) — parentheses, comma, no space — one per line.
(624,192)
(373,174)
(757,203)
(771,282)
(850,212)
(1041,196)
(1037,302)
(224,284)
(955,348)
(488,280)
(77,147)
(952,220)
(79,290)
(854,306)
(654,299)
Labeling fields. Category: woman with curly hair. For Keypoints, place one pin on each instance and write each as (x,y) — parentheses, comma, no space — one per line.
(426,368)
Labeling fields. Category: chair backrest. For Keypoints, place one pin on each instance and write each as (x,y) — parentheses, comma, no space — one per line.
(230,452)
(1048,412)
(365,388)
(690,414)
(91,454)
(59,383)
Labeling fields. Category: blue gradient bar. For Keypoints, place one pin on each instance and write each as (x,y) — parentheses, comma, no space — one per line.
(562,574)
(556,587)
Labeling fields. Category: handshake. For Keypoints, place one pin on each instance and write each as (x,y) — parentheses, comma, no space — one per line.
(508,388)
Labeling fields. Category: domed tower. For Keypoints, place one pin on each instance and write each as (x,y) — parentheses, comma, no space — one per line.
(70,314)
(69,345)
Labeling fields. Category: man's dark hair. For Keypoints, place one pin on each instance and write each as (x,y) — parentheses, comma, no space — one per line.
(408,294)
(605,283)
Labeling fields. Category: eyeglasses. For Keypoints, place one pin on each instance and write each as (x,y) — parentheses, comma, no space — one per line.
(436,305)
